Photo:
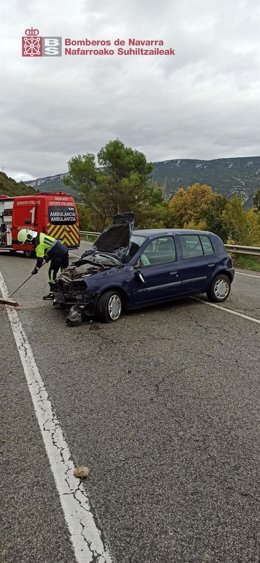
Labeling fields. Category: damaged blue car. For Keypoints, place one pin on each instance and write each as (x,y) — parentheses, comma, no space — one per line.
(130,269)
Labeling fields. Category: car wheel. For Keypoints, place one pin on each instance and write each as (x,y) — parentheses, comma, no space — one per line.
(109,307)
(219,289)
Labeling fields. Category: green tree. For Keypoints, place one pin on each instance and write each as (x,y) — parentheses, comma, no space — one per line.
(188,205)
(120,183)
(257,200)
(213,215)
(85,218)
(253,228)
(235,221)
(90,182)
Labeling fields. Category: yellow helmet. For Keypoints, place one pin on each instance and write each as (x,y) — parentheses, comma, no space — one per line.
(26,235)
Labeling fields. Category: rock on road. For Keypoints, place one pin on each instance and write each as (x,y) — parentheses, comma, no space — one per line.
(162,406)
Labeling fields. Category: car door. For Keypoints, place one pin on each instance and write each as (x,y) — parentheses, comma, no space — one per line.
(199,260)
(156,273)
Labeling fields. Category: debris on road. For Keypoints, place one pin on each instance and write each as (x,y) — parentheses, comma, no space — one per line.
(8,302)
(74,317)
(81,472)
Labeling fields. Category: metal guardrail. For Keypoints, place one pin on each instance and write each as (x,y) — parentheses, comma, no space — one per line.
(88,236)
(236,249)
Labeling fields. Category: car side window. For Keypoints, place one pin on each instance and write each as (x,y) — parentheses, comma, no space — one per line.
(159,251)
(191,246)
(206,245)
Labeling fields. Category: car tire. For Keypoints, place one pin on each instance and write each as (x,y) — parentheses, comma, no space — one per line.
(109,307)
(219,289)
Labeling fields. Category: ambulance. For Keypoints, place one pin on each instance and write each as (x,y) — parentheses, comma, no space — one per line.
(53,213)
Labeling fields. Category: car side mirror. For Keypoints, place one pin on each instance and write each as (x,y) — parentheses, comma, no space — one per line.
(140,276)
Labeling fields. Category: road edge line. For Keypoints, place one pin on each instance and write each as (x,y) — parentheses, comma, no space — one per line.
(239,273)
(252,319)
(85,537)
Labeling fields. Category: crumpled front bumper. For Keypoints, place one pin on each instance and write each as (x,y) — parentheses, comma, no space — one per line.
(82,299)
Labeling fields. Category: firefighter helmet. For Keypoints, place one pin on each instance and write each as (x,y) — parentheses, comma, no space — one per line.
(26,235)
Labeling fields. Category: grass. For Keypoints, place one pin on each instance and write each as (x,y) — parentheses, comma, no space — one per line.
(246,262)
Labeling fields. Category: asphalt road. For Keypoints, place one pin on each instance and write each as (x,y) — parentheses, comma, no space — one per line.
(162,406)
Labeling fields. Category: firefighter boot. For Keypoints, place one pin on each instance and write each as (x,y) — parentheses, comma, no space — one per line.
(50,295)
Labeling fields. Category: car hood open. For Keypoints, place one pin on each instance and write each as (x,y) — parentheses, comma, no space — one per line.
(115,240)
(107,251)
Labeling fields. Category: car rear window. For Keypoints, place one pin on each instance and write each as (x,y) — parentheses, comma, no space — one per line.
(206,245)
(194,246)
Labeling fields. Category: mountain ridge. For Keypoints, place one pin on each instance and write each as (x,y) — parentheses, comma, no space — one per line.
(227,176)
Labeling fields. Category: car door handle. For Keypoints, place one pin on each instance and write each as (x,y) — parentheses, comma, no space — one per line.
(174,273)
(211,265)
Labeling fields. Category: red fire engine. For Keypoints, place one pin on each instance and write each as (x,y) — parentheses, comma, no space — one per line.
(53,213)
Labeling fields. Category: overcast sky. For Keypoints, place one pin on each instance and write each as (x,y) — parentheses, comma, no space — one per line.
(204,102)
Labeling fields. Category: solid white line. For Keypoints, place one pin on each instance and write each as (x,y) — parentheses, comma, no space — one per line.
(252,319)
(249,275)
(84,534)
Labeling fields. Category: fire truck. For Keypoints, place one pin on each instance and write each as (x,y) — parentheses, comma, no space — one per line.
(53,213)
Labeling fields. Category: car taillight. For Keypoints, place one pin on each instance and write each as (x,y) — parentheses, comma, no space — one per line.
(230,260)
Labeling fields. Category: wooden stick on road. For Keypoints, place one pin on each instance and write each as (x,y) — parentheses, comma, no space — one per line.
(8,302)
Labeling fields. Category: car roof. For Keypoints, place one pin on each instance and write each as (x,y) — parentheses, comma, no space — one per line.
(156,232)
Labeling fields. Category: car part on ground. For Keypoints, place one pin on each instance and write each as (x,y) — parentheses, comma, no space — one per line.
(74,317)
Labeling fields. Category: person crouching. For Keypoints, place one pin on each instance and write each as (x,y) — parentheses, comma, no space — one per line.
(47,249)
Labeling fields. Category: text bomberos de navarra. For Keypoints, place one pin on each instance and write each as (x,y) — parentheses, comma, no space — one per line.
(116,47)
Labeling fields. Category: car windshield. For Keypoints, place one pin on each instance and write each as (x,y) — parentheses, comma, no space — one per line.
(135,242)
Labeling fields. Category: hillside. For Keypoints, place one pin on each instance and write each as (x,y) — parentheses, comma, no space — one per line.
(227,176)
(52,184)
(10,187)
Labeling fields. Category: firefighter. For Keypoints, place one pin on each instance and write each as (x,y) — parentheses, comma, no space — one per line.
(49,249)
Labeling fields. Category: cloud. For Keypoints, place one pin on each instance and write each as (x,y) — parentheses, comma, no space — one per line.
(202,103)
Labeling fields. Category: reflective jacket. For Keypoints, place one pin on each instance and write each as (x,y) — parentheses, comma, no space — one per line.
(43,244)
(47,247)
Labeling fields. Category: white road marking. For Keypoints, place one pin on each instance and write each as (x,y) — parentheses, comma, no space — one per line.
(84,534)
(252,319)
(249,275)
